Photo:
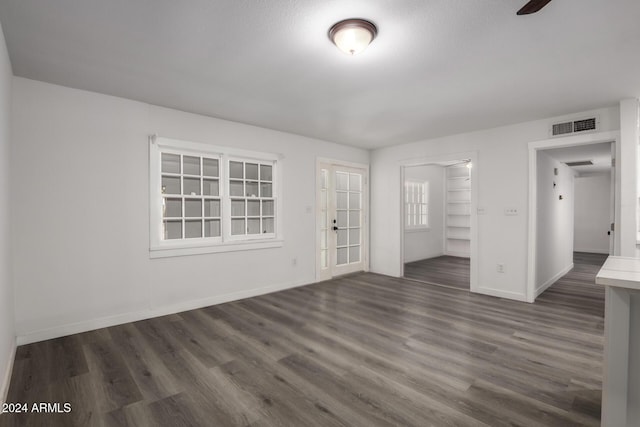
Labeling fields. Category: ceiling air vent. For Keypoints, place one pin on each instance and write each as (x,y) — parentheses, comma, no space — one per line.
(584,125)
(576,126)
(580,163)
(562,128)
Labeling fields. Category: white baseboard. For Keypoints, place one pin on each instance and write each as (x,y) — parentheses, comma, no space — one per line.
(6,380)
(458,254)
(119,319)
(540,289)
(428,256)
(502,294)
(593,251)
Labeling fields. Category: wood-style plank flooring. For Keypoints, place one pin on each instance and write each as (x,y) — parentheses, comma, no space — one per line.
(364,350)
(577,289)
(443,270)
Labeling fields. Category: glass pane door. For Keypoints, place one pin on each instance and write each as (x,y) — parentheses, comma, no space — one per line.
(348,194)
(324,219)
(341,220)
(347,198)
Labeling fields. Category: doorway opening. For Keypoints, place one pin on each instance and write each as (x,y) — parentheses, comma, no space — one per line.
(575,212)
(342,200)
(437,223)
(573,184)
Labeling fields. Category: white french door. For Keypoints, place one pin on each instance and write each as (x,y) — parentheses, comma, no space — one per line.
(342,214)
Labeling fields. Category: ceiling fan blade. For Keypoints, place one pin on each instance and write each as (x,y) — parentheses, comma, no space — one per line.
(532,7)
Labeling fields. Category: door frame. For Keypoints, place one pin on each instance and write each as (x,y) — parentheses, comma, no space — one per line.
(563,142)
(613,197)
(326,275)
(426,161)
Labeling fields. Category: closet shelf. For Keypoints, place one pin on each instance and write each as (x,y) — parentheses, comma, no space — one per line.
(458,211)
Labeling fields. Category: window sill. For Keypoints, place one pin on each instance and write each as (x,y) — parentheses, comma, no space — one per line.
(417,230)
(166,252)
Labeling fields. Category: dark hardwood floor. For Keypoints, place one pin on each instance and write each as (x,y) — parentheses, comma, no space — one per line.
(443,270)
(364,350)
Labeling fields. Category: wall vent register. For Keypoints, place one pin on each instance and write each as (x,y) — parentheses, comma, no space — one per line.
(580,163)
(576,126)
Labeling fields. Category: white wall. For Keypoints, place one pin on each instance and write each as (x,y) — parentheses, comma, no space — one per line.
(626,190)
(427,243)
(7,330)
(592,213)
(81,224)
(554,249)
(502,177)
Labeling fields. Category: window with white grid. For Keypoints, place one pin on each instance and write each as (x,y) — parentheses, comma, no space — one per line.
(416,204)
(206,198)
(252,198)
(190,187)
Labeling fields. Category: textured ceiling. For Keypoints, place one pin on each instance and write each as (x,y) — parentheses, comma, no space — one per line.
(438,67)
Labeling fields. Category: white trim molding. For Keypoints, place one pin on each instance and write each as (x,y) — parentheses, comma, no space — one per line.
(499,293)
(119,319)
(473,256)
(212,249)
(540,289)
(560,142)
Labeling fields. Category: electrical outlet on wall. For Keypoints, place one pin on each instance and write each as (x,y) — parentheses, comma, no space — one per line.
(511,211)
(500,268)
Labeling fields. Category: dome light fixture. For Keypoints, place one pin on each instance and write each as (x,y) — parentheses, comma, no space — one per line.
(352,36)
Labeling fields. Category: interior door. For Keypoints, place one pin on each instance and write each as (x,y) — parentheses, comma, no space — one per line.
(342,220)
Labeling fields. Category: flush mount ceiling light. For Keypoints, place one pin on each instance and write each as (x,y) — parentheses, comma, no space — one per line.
(352,36)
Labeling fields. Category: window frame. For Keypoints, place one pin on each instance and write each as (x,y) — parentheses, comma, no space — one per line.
(227,219)
(159,247)
(407,206)
(203,197)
